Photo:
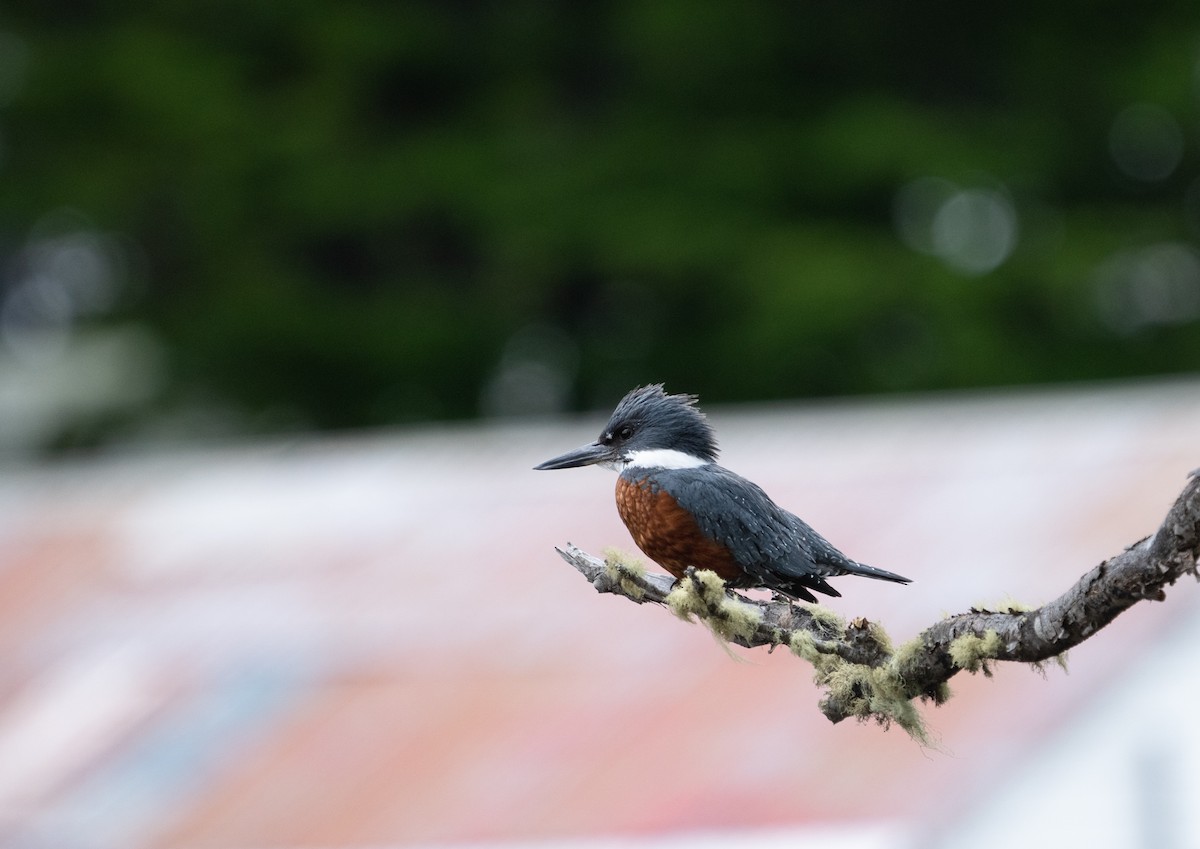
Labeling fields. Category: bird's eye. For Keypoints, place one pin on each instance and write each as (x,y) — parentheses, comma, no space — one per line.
(624,432)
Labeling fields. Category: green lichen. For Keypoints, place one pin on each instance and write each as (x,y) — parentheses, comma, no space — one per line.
(908,655)
(701,595)
(817,652)
(828,621)
(863,691)
(626,572)
(1008,604)
(973,651)
(1059,660)
(880,637)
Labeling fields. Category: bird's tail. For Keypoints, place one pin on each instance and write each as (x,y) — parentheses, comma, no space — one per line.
(853,567)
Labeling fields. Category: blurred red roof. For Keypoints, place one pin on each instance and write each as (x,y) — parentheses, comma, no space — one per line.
(370,642)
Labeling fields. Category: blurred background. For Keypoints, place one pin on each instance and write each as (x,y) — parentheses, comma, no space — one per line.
(294,295)
(224,218)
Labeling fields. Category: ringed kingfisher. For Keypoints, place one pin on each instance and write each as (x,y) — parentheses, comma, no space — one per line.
(683,509)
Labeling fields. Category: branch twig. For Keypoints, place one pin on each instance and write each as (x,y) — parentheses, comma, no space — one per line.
(863,675)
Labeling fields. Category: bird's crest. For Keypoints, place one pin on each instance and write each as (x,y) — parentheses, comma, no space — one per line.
(666,421)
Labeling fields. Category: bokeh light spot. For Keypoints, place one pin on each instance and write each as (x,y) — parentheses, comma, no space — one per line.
(1145,142)
(534,375)
(1157,285)
(975,230)
(972,230)
(57,281)
(916,205)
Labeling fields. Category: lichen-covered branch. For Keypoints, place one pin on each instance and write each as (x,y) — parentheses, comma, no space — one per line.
(863,675)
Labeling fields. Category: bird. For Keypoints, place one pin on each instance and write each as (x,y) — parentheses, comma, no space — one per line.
(684,510)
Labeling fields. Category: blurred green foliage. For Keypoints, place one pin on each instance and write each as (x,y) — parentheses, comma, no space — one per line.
(363,213)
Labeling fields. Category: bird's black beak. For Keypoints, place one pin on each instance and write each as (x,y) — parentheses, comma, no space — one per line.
(586,455)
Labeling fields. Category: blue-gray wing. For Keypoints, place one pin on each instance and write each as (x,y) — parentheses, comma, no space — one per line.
(767,541)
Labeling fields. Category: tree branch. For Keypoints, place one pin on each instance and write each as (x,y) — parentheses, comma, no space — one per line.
(863,675)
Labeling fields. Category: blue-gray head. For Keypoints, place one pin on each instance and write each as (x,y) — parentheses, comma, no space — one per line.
(648,428)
